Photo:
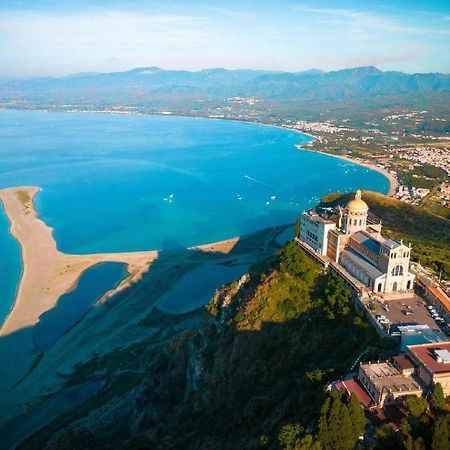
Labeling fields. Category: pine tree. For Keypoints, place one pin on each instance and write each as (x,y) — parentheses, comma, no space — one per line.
(419,444)
(437,399)
(356,416)
(416,405)
(297,228)
(440,435)
(323,422)
(335,427)
(337,297)
(346,438)
(408,441)
(290,436)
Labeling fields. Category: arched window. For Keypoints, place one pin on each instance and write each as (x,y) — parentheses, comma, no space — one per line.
(397,270)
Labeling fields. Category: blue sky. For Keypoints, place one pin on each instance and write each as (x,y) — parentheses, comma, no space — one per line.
(49,37)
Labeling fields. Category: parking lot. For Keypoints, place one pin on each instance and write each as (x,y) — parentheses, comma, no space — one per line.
(408,311)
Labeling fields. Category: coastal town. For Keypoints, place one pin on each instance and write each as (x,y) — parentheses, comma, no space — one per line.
(400,299)
(418,165)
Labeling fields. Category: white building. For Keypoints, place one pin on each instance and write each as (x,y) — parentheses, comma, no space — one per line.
(349,239)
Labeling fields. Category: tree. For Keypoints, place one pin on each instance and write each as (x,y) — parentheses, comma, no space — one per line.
(437,399)
(356,416)
(419,444)
(335,427)
(337,297)
(416,405)
(408,441)
(297,228)
(440,435)
(295,262)
(292,437)
(385,435)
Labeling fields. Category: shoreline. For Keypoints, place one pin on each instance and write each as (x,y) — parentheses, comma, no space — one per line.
(51,273)
(45,270)
(393,181)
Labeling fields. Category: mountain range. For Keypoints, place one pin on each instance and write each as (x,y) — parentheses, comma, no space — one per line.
(146,83)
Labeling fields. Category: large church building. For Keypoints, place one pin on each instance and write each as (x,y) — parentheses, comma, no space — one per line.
(350,239)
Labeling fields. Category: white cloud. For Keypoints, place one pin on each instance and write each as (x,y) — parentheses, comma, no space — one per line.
(88,38)
(373,22)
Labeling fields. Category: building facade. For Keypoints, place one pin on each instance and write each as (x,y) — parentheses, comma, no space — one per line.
(385,383)
(347,237)
(432,363)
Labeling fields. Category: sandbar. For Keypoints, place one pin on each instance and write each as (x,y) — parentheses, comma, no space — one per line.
(48,273)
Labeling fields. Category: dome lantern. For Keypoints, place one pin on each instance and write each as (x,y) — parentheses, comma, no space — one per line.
(357,204)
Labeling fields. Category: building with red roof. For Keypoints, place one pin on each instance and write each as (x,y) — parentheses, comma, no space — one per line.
(439,299)
(432,363)
(352,386)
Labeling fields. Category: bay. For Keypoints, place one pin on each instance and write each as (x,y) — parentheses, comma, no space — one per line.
(137,182)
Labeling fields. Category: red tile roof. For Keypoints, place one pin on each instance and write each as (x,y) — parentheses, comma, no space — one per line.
(403,362)
(440,295)
(353,386)
(424,353)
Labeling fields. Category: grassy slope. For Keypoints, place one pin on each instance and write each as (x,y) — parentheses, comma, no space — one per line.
(262,358)
(267,363)
(429,234)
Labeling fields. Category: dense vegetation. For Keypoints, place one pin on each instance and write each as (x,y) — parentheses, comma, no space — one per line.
(425,424)
(253,374)
(428,233)
(341,425)
(424,176)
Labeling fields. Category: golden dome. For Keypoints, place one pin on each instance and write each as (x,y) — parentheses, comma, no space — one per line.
(357,204)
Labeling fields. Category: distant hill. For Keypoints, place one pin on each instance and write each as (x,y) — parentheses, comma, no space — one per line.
(146,83)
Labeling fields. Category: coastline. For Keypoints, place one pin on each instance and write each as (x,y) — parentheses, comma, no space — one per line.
(50,273)
(46,271)
(393,181)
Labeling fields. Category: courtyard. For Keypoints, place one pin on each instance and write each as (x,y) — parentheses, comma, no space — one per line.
(410,310)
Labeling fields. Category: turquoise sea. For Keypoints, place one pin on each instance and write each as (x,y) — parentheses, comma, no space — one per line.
(122,183)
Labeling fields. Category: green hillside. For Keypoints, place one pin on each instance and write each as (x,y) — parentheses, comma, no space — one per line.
(268,346)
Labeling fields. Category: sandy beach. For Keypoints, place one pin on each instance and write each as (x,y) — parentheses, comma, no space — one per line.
(48,273)
(113,323)
(393,182)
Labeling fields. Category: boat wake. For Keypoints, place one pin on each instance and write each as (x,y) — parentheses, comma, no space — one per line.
(256,181)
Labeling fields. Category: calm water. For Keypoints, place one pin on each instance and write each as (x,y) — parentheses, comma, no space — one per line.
(121,183)
(93,283)
(10,265)
(197,287)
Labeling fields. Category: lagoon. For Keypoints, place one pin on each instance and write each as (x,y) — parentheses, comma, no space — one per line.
(136,182)
(72,306)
